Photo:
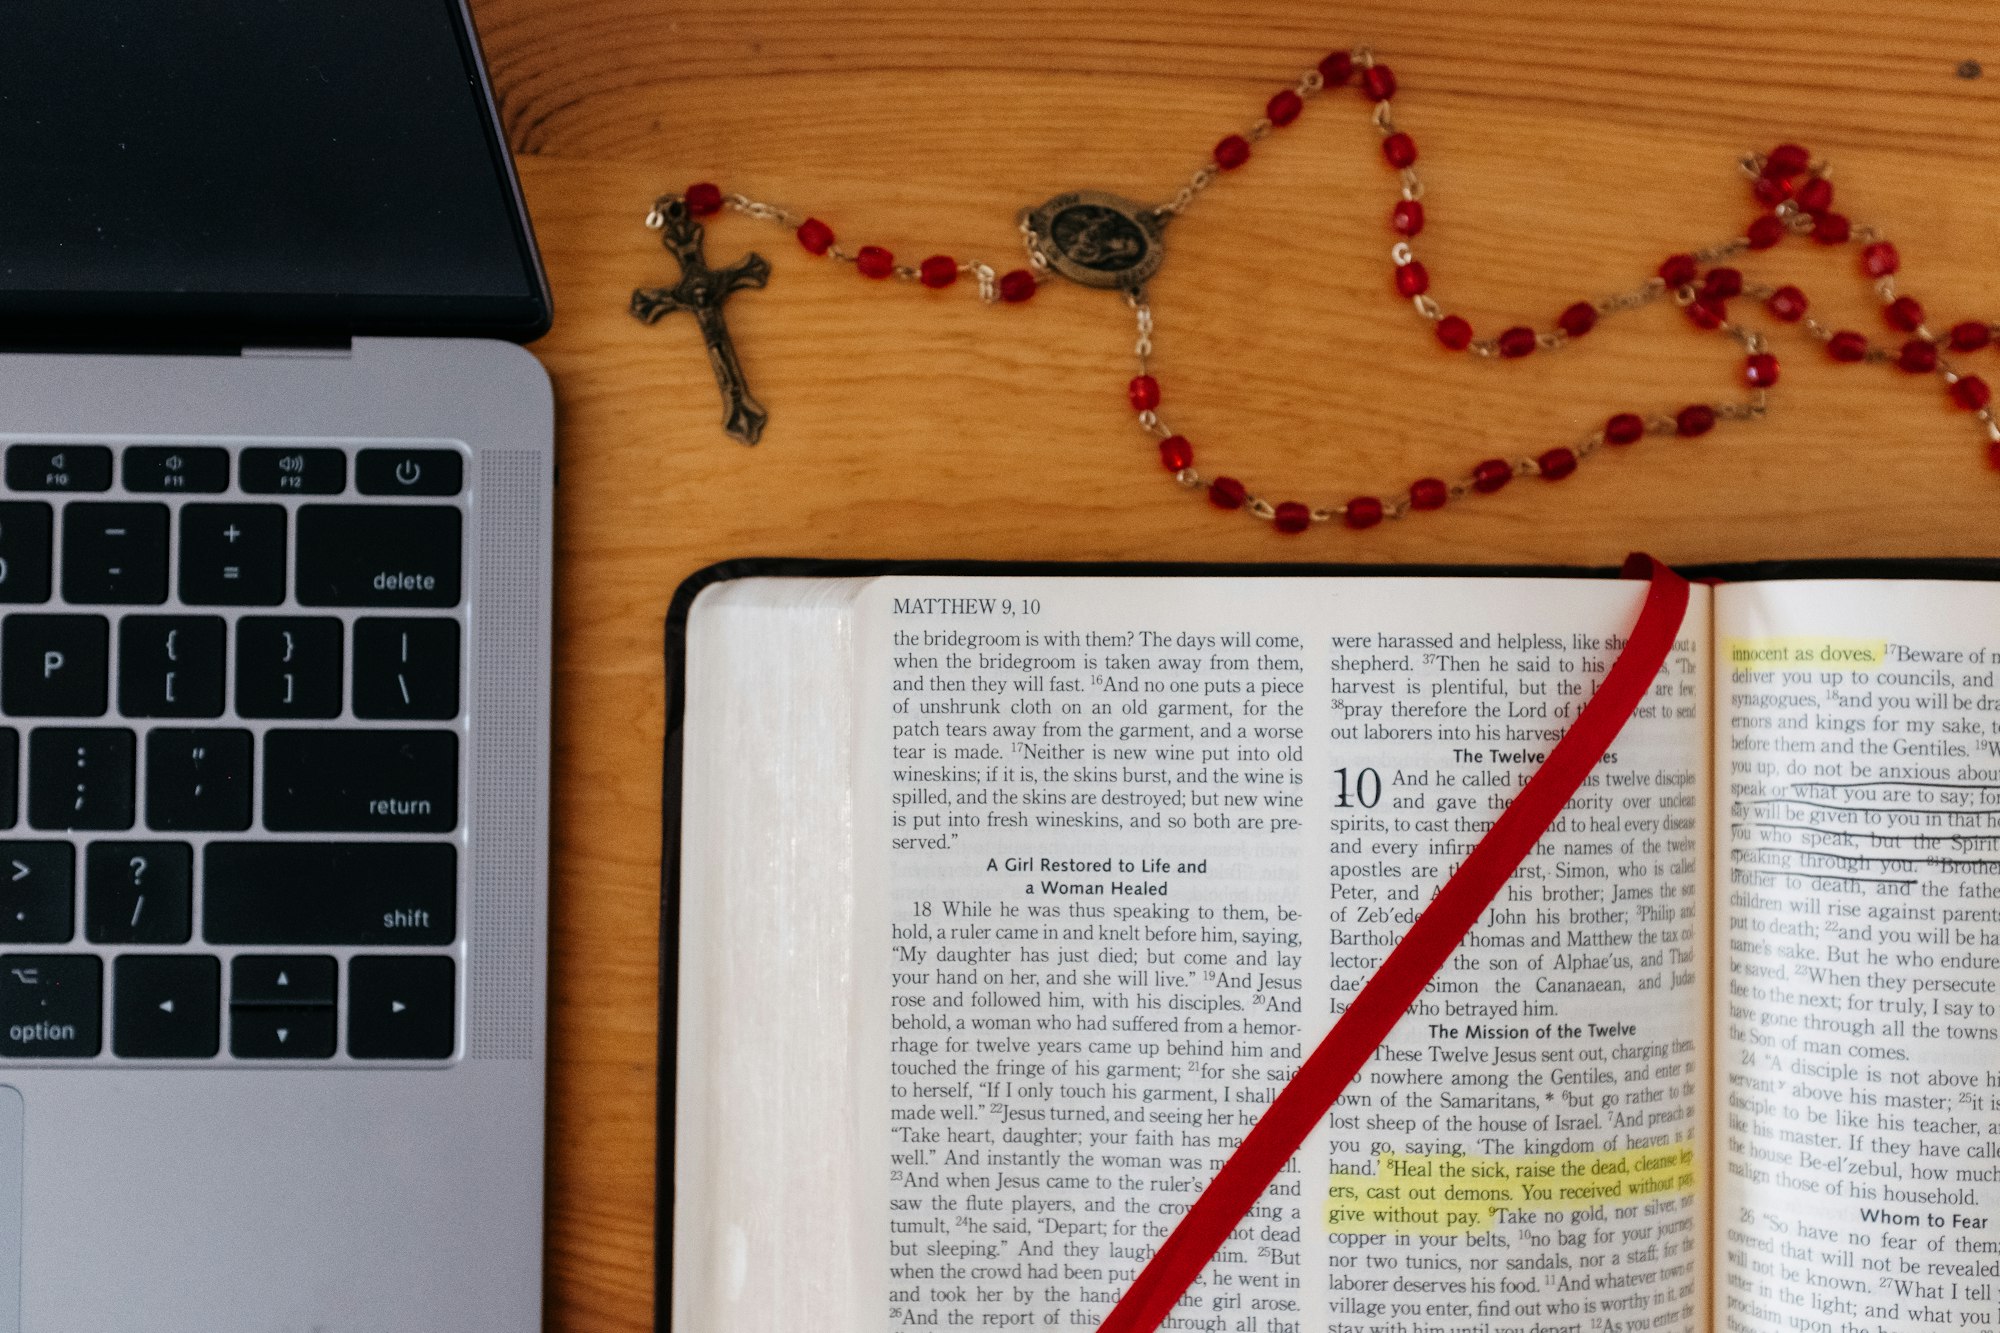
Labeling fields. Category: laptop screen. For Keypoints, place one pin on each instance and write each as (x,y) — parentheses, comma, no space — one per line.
(227,171)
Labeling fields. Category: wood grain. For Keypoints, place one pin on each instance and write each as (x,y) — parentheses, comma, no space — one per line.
(1567,147)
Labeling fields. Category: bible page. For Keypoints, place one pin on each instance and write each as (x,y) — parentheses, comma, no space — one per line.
(1858,946)
(1142,840)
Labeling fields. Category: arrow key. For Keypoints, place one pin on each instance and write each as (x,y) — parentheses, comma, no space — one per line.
(401,1007)
(166,1006)
(292,979)
(274,1032)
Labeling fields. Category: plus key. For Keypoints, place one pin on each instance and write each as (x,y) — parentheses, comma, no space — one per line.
(232,554)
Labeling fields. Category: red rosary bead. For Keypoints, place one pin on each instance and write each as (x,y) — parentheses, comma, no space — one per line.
(1232,152)
(1694,419)
(1143,393)
(1291,516)
(1399,150)
(1378,82)
(1336,69)
(1816,195)
(1760,371)
(1284,108)
(1016,286)
(938,271)
(1407,217)
(1412,279)
(1557,463)
(1491,475)
(1227,493)
(1764,232)
(1723,283)
(1454,332)
(1830,229)
(1429,493)
(1516,342)
(1578,319)
(815,236)
(1707,312)
(1176,453)
(1679,270)
(1787,304)
(1970,392)
(703,199)
(1918,357)
(1786,160)
(1904,314)
(874,262)
(1624,428)
(1970,336)
(1847,345)
(1993,455)
(1363,511)
(1771,193)
(1880,259)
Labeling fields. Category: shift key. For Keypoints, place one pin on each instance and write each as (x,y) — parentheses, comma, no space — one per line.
(360,781)
(378,555)
(323,893)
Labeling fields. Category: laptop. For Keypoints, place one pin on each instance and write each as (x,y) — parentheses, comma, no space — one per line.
(275,480)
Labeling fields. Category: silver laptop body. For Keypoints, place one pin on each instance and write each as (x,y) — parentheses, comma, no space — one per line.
(369,1159)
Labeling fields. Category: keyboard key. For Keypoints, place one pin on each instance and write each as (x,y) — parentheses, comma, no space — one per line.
(292,471)
(307,893)
(378,555)
(409,471)
(24,551)
(138,892)
(232,555)
(361,781)
(80,778)
(166,1006)
(115,553)
(282,979)
(198,779)
(58,467)
(51,1005)
(170,666)
(37,892)
(288,666)
(405,669)
(401,1008)
(54,666)
(10,776)
(267,1032)
(185,468)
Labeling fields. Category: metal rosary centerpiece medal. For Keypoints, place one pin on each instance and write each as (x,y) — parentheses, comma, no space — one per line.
(1098,239)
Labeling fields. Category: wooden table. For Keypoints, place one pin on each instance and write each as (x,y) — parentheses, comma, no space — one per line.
(1567,146)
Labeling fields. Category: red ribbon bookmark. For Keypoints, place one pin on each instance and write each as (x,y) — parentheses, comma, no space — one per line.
(1394,987)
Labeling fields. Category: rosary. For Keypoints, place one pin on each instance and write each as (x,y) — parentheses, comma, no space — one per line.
(1103,240)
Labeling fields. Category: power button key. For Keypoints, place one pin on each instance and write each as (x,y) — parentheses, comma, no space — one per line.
(409,471)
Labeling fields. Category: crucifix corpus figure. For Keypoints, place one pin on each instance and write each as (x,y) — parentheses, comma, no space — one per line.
(702,290)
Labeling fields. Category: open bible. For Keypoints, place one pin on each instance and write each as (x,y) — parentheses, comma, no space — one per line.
(1001,902)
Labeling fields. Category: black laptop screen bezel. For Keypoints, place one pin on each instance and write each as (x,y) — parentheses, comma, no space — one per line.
(194,321)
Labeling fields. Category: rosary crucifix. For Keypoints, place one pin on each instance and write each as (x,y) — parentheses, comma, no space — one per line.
(703,290)
(1103,240)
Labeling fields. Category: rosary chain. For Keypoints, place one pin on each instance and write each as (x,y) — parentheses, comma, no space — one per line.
(1795,189)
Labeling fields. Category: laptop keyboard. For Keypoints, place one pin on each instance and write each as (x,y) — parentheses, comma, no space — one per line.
(231,743)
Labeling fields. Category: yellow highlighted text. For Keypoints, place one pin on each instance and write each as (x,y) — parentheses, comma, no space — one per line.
(1445,1195)
(1806,650)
